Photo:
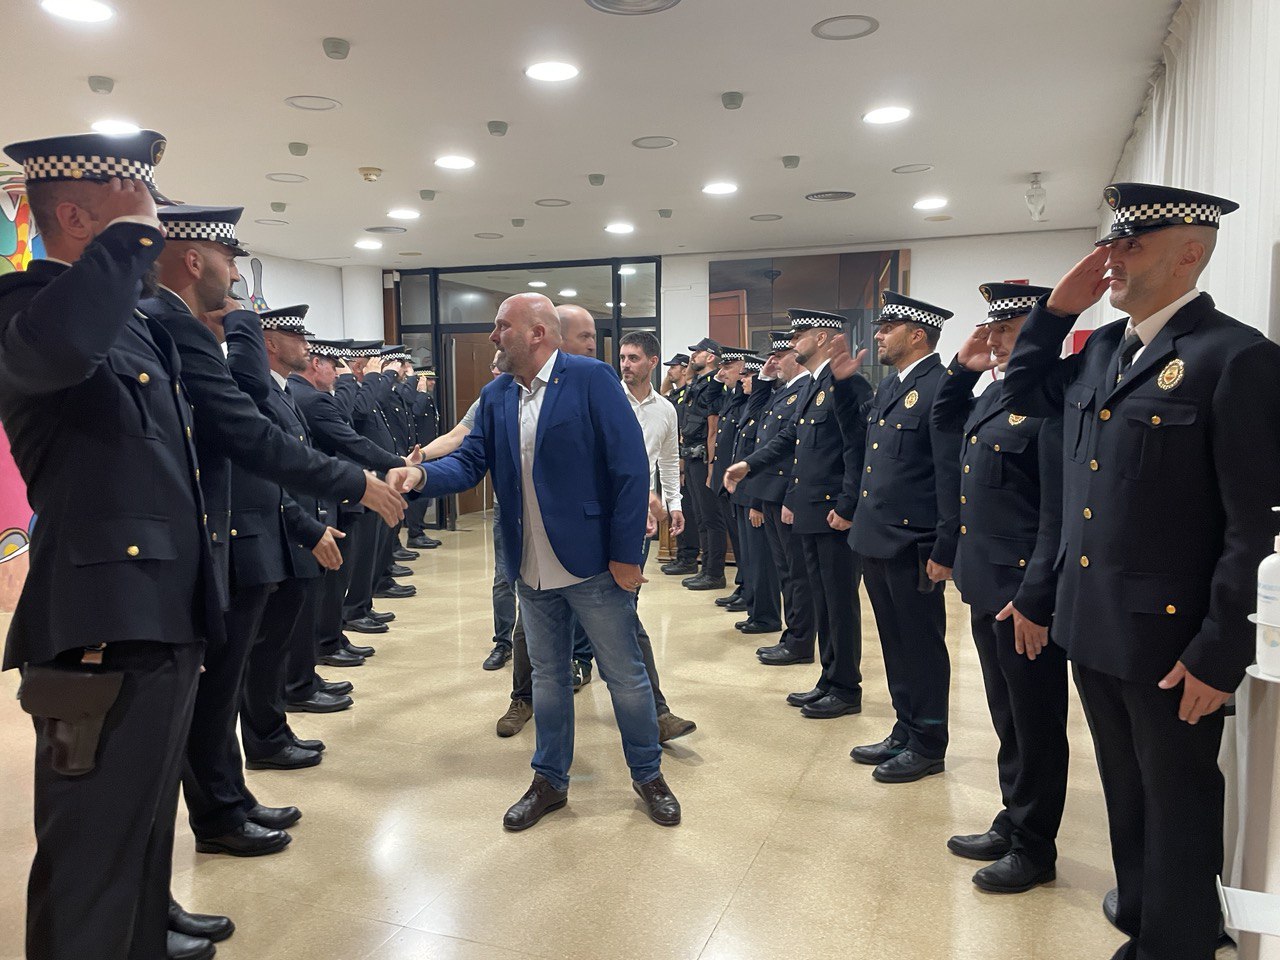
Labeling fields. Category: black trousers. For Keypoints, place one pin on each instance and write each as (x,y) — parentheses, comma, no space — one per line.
(913,630)
(361,550)
(99,884)
(1164,794)
(712,529)
(415,516)
(759,575)
(264,728)
(797,600)
(833,571)
(388,544)
(729,514)
(218,801)
(301,681)
(688,543)
(1028,703)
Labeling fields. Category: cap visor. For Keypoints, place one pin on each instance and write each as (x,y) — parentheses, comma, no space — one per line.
(160,198)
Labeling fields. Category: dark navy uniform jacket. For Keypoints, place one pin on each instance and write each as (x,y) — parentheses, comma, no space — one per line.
(825,453)
(1010,497)
(910,496)
(702,401)
(101,432)
(365,403)
(747,439)
(426,418)
(732,416)
(1170,477)
(230,429)
(770,484)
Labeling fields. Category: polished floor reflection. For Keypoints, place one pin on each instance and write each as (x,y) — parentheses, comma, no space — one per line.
(788,849)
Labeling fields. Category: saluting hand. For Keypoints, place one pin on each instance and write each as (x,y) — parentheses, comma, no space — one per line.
(1082,287)
(975,352)
(326,551)
(1029,638)
(125,198)
(214,320)
(382,498)
(1198,698)
(735,475)
(842,365)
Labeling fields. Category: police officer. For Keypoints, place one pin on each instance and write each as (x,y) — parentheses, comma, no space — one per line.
(824,444)
(697,430)
(393,411)
(1172,464)
(426,418)
(905,531)
(728,422)
(1010,521)
(687,543)
(769,486)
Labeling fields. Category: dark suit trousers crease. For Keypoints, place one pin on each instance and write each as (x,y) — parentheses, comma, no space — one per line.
(912,627)
(688,543)
(301,680)
(833,571)
(797,601)
(1028,704)
(99,883)
(218,801)
(415,516)
(1164,794)
(388,543)
(264,728)
(361,551)
(729,516)
(711,526)
(759,575)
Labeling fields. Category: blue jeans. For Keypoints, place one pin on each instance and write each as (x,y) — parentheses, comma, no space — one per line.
(608,614)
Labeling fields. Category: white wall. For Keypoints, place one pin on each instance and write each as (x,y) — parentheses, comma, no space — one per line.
(945,272)
(344,302)
(362,302)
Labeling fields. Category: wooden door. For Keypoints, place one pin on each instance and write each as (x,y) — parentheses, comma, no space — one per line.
(727,318)
(472,353)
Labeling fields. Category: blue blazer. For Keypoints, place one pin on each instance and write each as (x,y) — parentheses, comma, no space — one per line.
(590,468)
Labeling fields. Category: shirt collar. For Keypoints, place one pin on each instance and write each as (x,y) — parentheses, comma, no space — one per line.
(280,381)
(543,376)
(822,366)
(1148,328)
(798,377)
(653,395)
(902,374)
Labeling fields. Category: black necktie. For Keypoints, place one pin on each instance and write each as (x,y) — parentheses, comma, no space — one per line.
(1131,344)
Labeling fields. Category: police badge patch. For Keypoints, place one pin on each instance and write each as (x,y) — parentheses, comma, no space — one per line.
(822,395)
(912,399)
(1015,419)
(1171,375)
(791,399)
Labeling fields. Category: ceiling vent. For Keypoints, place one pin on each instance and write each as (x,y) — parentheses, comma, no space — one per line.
(826,196)
(632,8)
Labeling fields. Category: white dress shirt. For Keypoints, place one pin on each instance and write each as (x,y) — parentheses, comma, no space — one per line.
(281,382)
(798,377)
(539,566)
(902,374)
(661,429)
(1148,328)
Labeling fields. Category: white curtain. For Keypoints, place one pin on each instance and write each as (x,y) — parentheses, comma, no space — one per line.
(1212,123)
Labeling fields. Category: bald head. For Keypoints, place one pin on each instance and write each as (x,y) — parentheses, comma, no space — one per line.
(578,329)
(526,332)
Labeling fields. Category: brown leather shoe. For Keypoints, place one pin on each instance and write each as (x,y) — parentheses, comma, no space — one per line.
(513,721)
(540,799)
(660,803)
(670,726)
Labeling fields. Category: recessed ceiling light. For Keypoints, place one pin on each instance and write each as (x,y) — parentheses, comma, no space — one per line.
(82,11)
(886,115)
(568,292)
(455,162)
(930,203)
(116,128)
(766,217)
(720,188)
(538,283)
(312,103)
(627,271)
(403,213)
(369,244)
(632,8)
(287,177)
(268,222)
(488,236)
(620,227)
(654,143)
(851,27)
(552,71)
(826,196)
(552,202)
(939,217)
(914,168)
(384,229)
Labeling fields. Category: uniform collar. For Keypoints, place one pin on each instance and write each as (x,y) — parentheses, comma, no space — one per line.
(906,371)
(280,381)
(798,377)
(1148,328)
(172,298)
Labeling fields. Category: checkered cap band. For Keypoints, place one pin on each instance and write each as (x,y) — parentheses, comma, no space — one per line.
(753,366)
(827,323)
(326,350)
(1139,213)
(87,167)
(780,344)
(287,324)
(397,356)
(1011,306)
(899,311)
(364,352)
(217,231)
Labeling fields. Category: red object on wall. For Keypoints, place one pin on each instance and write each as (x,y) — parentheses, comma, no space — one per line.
(1077,339)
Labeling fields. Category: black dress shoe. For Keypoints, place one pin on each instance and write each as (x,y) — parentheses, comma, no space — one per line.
(731,598)
(874,754)
(401,555)
(340,658)
(320,702)
(781,656)
(677,568)
(357,650)
(539,800)
(829,707)
(316,745)
(395,591)
(1013,873)
(498,657)
(694,579)
(275,818)
(179,946)
(337,687)
(778,647)
(247,840)
(907,767)
(365,625)
(1111,906)
(382,616)
(738,606)
(399,570)
(800,699)
(206,926)
(423,543)
(290,758)
(702,582)
(755,626)
(660,803)
(980,846)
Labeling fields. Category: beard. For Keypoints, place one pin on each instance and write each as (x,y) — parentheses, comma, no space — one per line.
(503,362)
(211,292)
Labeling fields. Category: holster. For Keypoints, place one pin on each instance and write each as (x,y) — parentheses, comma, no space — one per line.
(75,704)
(695,451)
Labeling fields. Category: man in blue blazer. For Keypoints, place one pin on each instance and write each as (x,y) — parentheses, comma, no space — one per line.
(569,467)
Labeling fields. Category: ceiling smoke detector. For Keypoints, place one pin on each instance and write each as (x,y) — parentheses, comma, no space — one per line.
(731,99)
(1036,196)
(99,84)
(595,179)
(335,48)
(827,196)
(790,163)
(298,149)
(427,194)
(497,128)
(277,206)
(632,8)
(370,174)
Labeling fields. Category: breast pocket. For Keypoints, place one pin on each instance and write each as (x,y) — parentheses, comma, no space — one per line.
(993,451)
(145,384)
(1077,425)
(899,429)
(812,427)
(1152,428)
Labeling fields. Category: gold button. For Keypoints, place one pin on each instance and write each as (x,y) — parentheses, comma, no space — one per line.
(300,436)
(897,426)
(176,391)
(828,496)
(1171,609)
(213,536)
(905,522)
(76,173)
(197,473)
(1155,421)
(1084,561)
(205,518)
(144,377)
(868,469)
(973,439)
(132,551)
(1088,514)
(189,433)
(233,531)
(146,241)
(1022,563)
(1104,415)
(882,423)
(1093,465)
(864,493)
(966,468)
(875,446)
(964,499)
(996,448)
(964,529)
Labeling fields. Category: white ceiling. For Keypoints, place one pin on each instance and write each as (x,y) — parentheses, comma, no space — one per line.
(998,90)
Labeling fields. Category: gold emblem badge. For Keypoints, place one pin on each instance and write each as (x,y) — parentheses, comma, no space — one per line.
(822,395)
(1171,375)
(791,399)
(1112,196)
(986,292)
(912,399)
(1015,419)
(157,152)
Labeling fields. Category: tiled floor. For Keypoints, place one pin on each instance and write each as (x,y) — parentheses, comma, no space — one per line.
(788,849)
